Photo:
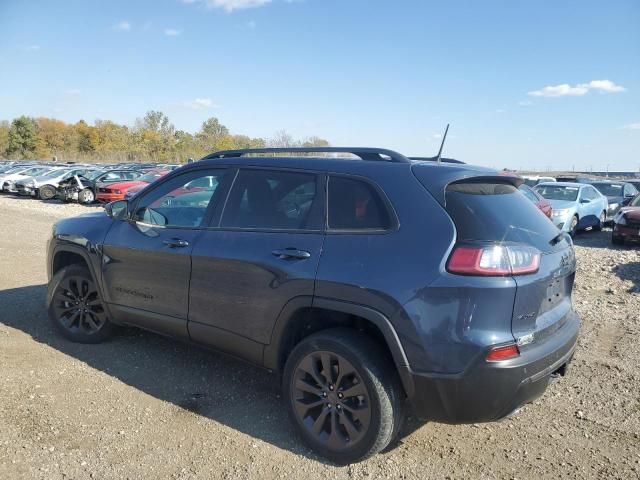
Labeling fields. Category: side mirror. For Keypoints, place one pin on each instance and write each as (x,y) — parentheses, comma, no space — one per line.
(117,210)
(585,200)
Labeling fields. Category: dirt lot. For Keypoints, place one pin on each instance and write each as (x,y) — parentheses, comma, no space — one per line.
(142,406)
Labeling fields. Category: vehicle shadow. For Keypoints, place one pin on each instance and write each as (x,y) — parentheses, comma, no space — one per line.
(630,272)
(213,385)
(602,239)
(54,201)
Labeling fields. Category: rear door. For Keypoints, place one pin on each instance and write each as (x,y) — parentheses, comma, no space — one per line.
(263,252)
(498,214)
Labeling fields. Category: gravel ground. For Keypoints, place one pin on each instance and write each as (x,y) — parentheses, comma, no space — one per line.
(142,406)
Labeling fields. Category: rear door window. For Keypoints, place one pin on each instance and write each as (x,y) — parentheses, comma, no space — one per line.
(356,205)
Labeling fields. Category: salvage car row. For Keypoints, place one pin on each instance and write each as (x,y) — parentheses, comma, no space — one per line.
(581,203)
(572,203)
(78,182)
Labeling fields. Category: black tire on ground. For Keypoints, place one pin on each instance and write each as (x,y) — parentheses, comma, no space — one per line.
(601,221)
(47,192)
(86,196)
(617,239)
(574,225)
(76,309)
(354,408)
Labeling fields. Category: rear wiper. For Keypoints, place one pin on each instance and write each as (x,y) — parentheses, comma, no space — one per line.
(555,240)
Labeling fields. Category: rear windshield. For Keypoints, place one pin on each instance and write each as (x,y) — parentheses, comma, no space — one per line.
(498,212)
(609,189)
(553,192)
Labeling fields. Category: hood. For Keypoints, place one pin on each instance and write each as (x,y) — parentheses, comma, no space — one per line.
(12,177)
(137,188)
(42,179)
(632,213)
(562,204)
(122,186)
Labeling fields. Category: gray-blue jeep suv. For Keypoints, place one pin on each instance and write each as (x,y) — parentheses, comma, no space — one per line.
(372,284)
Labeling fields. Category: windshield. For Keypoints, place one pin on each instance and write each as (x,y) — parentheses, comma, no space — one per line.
(555,192)
(35,171)
(16,169)
(54,173)
(93,175)
(609,189)
(635,202)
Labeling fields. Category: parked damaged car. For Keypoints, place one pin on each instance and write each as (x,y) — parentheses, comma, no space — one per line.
(618,195)
(45,187)
(116,191)
(626,223)
(84,188)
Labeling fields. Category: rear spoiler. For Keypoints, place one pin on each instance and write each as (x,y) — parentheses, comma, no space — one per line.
(437,184)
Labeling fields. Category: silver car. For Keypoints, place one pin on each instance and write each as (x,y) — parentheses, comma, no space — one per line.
(576,206)
(45,186)
(9,182)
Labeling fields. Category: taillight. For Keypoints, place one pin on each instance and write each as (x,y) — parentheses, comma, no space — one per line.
(505,352)
(494,260)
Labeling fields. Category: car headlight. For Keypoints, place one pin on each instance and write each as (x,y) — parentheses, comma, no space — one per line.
(620,219)
(563,212)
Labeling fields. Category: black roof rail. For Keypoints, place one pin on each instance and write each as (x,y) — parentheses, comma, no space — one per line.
(435,159)
(375,154)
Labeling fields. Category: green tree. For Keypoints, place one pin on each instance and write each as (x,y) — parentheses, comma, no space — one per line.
(87,137)
(315,142)
(22,138)
(211,134)
(51,136)
(4,137)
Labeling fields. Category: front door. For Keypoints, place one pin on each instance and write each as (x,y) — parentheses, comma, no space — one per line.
(147,258)
(263,252)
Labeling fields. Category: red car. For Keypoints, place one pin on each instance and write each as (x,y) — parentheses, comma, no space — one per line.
(116,191)
(626,223)
(539,201)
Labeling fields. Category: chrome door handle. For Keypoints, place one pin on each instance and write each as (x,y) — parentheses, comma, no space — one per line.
(175,243)
(291,253)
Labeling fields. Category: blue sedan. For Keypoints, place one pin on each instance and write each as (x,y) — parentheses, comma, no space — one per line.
(576,206)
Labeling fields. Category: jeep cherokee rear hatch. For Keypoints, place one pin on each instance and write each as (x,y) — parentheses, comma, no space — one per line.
(501,233)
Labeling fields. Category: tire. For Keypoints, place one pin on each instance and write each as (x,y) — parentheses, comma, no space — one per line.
(86,196)
(601,221)
(573,229)
(349,428)
(617,239)
(75,307)
(47,192)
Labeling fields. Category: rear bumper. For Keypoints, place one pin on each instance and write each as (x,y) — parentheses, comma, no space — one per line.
(490,391)
(26,191)
(626,233)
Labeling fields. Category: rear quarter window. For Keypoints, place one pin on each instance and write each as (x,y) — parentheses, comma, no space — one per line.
(356,205)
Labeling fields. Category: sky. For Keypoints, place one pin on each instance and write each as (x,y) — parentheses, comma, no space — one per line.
(542,85)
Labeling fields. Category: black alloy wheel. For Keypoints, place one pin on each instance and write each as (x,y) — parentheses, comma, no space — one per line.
(331,400)
(75,306)
(344,394)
